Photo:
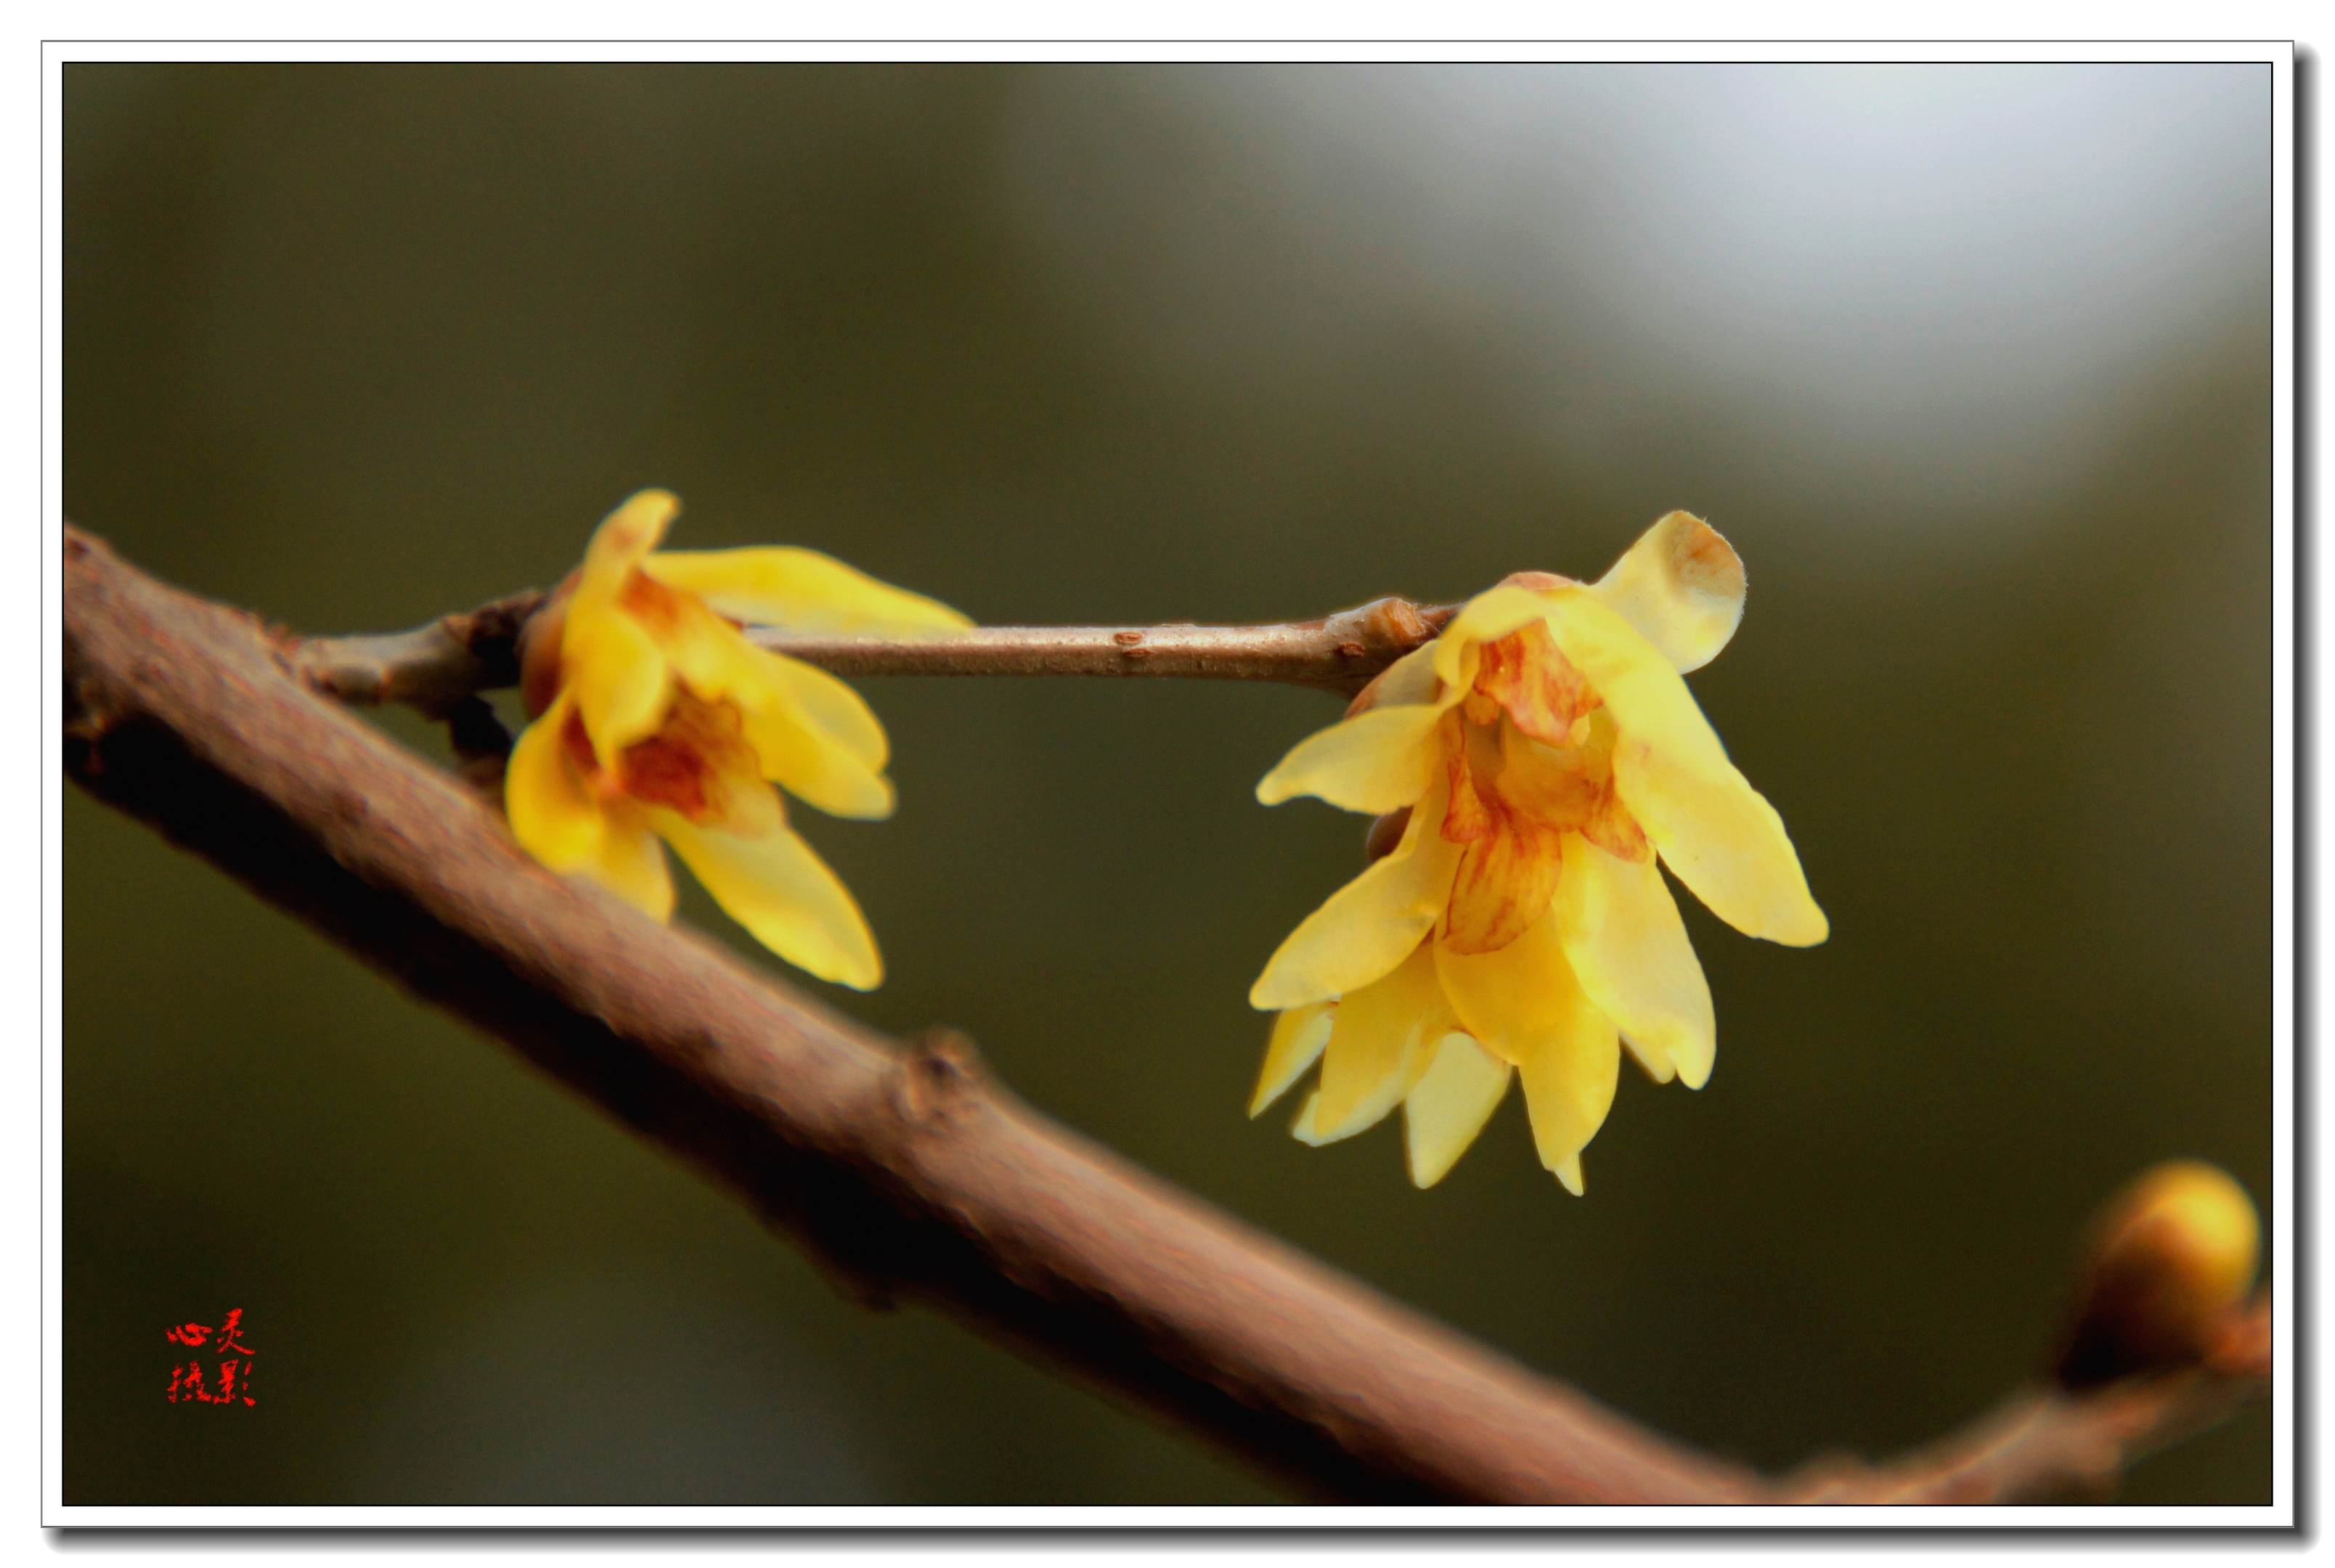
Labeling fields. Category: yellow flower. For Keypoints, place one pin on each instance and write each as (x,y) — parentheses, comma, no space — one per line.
(655,719)
(1531,762)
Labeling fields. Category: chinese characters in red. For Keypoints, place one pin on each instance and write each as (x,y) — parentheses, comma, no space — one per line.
(232,1383)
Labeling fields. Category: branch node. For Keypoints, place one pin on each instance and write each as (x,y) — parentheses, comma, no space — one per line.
(1389,627)
(941,1073)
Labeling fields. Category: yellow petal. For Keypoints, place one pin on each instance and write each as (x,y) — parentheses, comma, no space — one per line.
(1486,618)
(1375,761)
(1299,1033)
(1524,1004)
(1303,1128)
(1713,829)
(1569,1173)
(1449,1106)
(1629,949)
(801,590)
(1569,1076)
(554,817)
(825,704)
(620,681)
(1681,586)
(558,820)
(1410,678)
(809,763)
(1720,837)
(1382,1040)
(618,544)
(1510,996)
(1371,924)
(631,865)
(783,893)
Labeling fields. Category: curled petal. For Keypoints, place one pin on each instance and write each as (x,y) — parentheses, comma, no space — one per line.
(1375,761)
(557,819)
(618,544)
(552,815)
(1299,1033)
(1681,586)
(1371,924)
(620,681)
(1382,1041)
(1449,1106)
(1629,949)
(783,893)
(801,590)
(1713,829)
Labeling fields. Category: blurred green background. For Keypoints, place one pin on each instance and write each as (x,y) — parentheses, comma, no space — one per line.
(1972,363)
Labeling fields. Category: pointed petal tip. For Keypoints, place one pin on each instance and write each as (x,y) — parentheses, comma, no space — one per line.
(804,590)
(1568,1175)
(1272,993)
(1375,761)
(634,528)
(1805,927)
(1446,1111)
(1296,1043)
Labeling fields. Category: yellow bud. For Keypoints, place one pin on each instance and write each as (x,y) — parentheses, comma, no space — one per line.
(2169,1260)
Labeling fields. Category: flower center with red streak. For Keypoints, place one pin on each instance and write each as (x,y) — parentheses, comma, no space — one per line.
(698,763)
(1529,753)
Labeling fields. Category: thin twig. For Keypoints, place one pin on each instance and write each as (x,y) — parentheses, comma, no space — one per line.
(459,655)
(910,1174)
(2045,1444)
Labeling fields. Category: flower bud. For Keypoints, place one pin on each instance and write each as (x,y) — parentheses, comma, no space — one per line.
(2168,1262)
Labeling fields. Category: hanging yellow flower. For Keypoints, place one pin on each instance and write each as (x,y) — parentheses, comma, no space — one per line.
(1530,763)
(654,719)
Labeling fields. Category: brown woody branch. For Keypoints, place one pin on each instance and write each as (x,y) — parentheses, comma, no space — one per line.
(909,1173)
(456,655)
